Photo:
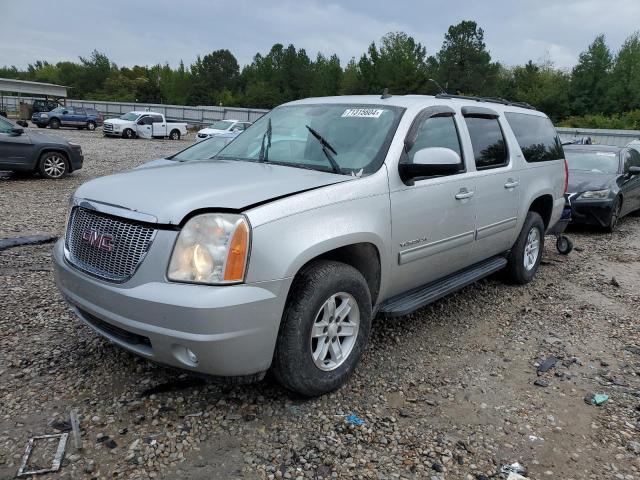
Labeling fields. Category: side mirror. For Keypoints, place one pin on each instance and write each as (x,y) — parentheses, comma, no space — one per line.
(634,170)
(429,162)
(17,131)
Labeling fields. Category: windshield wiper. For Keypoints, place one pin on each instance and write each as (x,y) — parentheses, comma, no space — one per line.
(326,147)
(264,152)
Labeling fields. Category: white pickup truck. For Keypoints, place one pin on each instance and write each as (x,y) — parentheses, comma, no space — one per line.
(143,125)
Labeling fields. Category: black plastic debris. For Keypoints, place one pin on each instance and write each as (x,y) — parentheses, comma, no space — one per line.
(541,383)
(547,365)
(11,242)
(60,425)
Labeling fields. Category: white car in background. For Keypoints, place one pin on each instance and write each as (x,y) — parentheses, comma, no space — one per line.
(222,126)
(143,125)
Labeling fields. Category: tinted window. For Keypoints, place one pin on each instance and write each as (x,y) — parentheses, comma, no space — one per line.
(536,136)
(631,159)
(145,120)
(436,132)
(489,146)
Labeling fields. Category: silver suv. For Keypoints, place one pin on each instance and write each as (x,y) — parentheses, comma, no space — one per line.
(277,252)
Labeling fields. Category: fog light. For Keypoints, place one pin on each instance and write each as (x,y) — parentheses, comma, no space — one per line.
(191,356)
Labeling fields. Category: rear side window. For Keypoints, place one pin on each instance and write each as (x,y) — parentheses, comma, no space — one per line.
(487,140)
(536,136)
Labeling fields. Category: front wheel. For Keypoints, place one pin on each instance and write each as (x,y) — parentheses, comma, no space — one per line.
(174,135)
(128,133)
(54,123)
(324,330)
(615,215)
(526,254)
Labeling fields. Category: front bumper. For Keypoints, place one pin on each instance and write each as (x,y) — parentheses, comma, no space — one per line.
(591,212)
(231,329)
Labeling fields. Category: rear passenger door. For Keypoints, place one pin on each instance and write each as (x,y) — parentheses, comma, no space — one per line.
(433,217)
(497,182)
(158,126)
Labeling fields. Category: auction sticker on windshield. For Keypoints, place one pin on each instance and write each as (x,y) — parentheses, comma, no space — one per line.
(363,112)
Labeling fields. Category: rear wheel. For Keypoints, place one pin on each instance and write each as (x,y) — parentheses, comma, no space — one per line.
(128,133)
(615,215)
(53,165)
(91,125)
(54,123)
(526,253)
(324,330)
(174,135)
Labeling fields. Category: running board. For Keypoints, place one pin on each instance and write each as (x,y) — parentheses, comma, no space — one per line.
(412,300)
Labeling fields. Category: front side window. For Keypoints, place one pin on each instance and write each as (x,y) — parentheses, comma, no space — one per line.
(437,132)
(487,140)
(633,160)
(593,160)
(536,136)
(356,138)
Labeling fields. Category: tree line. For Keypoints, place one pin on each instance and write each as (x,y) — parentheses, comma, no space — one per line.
(602,90)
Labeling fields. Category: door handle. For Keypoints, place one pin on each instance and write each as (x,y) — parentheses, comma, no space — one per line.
(511,183)
(464,193)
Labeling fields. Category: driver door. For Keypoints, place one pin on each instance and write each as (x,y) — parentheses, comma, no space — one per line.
(434,218)
(144,127)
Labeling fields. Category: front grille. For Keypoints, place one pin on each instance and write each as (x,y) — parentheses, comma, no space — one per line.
(107,247)
(107,127)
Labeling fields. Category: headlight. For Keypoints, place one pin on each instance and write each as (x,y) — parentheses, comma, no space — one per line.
(44,115)
(212,248)
(595,194)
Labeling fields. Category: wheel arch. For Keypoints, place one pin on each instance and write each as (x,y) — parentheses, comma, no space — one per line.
(52,148)
(543,206)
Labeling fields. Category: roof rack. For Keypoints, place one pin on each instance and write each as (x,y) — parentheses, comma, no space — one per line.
(501,101)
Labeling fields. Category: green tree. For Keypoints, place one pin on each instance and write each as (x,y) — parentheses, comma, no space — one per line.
(463,63)
(624,93)
(399,64)
(590,78)
(211,74)
(543,86)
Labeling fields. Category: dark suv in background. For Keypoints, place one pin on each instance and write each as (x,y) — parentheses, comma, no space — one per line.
(62,116)
(29,152)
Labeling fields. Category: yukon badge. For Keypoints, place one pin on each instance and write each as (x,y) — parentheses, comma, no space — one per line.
(101,241)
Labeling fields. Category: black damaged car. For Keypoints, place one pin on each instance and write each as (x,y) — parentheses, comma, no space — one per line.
(27,152)
(604,184)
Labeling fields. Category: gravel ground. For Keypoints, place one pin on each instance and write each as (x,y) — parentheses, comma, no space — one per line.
(450,392)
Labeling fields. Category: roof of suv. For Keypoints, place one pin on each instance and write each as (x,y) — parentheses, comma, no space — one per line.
(420,101)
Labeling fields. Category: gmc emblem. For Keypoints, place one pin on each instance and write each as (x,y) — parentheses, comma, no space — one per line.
(101,241)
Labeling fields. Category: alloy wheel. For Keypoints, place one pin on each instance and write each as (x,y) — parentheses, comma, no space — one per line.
(532,248)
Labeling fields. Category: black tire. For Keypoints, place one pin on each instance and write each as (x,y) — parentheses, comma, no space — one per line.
(564,245)
(293,364)
(80,128)
(53,165)
(41,126)
(174,135)
(128,133)
(615,215)
(91,126)
(54,123)
(516,271)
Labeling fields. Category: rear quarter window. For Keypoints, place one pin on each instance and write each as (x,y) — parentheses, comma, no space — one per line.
(536,136)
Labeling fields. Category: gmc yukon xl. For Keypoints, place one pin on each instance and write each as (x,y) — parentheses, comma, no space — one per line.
(277,252)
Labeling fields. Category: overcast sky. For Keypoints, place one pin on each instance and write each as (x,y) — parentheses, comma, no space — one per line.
(149,32)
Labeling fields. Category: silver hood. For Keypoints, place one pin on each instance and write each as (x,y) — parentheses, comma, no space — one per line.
(171,192)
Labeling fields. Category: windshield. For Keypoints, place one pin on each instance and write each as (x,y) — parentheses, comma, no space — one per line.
(204,150)
(129,116)
(222,125)
(592,161)
(356,137)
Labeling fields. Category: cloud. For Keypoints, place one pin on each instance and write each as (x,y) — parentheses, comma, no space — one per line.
(171,30)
